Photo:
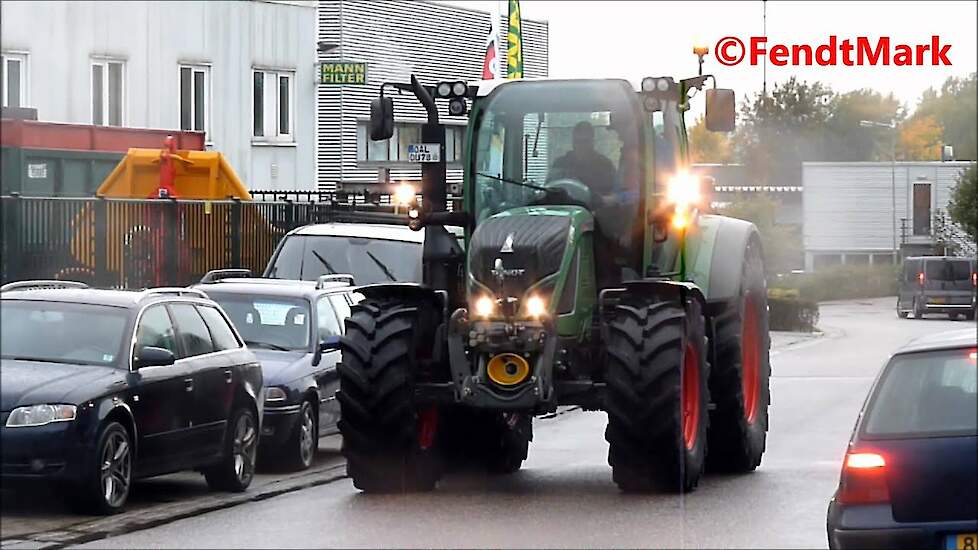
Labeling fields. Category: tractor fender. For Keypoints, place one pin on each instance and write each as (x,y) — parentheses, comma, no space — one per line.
(407,291)
(665,289)
(727,260)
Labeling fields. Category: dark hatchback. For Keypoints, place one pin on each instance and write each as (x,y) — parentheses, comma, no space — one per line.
(910,474)
(101,387)
(293,327)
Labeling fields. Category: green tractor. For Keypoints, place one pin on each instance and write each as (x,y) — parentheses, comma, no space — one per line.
(590,275)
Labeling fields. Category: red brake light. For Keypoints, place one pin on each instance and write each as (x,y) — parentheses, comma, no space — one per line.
(974,279)
(920,277)
(863,479)
(973,356)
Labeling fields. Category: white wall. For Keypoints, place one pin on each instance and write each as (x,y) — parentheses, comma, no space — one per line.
(153,37)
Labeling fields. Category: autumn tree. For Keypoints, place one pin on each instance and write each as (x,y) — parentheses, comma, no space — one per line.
(963,207)
(709,147)
(955,108)
(920,139)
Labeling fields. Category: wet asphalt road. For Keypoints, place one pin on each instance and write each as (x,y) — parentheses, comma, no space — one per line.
(564,495)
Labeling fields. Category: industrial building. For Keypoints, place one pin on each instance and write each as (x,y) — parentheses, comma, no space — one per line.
(874,212)
(243,72)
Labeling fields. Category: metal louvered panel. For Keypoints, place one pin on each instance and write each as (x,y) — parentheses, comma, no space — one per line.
(397,38)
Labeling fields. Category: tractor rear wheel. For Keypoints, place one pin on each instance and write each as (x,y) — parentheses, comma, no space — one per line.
(741,374)
(657,395)
(388,441)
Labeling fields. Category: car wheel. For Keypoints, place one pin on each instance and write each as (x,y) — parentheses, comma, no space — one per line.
(304,441)
(109,479)
(954,316)
(236,470)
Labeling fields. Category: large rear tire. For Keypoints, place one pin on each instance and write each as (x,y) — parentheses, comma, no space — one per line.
(657,395)
(740,384)
(388,441)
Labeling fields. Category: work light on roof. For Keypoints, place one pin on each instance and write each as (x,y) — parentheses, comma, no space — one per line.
(460,89)
(648,84)
(457,106)
(444,89)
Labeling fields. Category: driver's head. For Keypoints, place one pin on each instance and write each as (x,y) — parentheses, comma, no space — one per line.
(583,137)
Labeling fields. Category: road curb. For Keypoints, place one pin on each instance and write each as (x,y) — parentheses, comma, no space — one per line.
(102,528)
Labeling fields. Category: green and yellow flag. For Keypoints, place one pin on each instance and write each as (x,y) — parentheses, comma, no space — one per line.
(514,42)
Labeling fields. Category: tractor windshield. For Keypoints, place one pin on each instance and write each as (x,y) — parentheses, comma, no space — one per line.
(533,135)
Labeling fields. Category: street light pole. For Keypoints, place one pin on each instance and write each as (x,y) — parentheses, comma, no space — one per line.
(892,127)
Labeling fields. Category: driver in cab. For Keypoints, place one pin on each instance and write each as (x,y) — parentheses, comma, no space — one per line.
(584,163)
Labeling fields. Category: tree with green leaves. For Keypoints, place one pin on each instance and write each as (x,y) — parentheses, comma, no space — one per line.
(963,207)
(955,108)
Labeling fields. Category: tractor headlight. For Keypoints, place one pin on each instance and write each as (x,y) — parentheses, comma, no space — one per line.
(485,306)
(536,306)
(405,194)
(683,190)
(39,415)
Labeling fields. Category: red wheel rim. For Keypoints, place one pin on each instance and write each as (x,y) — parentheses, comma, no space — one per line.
(427,426)
(691,396)
(750,357)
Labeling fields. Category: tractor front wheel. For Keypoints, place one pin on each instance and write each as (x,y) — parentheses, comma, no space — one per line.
(657,395)
(388,441)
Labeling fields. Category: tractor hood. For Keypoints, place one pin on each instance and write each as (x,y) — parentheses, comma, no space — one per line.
(528,243)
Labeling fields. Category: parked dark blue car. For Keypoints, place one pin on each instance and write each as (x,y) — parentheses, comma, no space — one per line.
(293,327)
(910,473)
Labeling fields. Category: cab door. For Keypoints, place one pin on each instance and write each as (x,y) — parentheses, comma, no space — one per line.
(161,396)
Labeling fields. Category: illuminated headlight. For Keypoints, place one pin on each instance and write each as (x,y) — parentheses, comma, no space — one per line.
(404,194)
(39,415)
(484,306)
(536,306)
(444,89)
(683,190)
(274,394)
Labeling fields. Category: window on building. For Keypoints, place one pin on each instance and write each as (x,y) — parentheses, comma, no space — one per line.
(108,92)
(273,98)
(14,75)
(395,148)
(195,97)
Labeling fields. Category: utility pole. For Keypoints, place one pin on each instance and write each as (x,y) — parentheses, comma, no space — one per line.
(764,83)
(892,127)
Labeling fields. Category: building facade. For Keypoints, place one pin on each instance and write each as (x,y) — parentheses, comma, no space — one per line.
(242,72)
(395,39)
(848,209)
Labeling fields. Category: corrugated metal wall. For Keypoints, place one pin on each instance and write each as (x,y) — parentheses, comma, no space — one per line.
(397,38)
(848,206)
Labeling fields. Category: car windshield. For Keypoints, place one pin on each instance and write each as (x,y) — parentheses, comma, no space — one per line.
(925,394)
(538,134)
(268,322)
(58,332)
(948,270)
(370,261)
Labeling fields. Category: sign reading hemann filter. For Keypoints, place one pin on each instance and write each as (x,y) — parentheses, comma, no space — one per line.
(340,73)
(424,152)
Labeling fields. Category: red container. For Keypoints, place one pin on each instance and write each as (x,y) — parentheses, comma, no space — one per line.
(31,134)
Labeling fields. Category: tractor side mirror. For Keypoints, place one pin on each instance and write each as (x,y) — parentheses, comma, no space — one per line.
(721,110)
(381,118)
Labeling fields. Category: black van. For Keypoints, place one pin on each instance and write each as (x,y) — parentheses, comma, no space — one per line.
(937,284)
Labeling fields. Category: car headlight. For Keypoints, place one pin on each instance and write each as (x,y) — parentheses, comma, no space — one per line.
(39,415)
(274,394)
(536,306)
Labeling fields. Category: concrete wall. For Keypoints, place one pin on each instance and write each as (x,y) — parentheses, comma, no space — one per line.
(153,38)
(848,206)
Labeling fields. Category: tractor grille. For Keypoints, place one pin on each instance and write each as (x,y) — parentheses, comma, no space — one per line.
(538,244)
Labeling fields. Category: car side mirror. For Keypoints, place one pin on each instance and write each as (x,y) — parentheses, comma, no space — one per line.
(381,118)
(721,110)
(330,343)
(149,356)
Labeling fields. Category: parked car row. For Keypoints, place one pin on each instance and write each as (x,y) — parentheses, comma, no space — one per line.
(103,387)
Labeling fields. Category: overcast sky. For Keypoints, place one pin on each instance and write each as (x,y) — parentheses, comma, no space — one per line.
(635,39)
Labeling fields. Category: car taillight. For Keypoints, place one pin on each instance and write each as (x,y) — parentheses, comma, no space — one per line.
(920,278)
(974,279)
(863,479)
(973,356)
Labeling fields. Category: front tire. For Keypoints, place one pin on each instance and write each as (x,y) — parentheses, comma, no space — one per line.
(740,384)
(304,441)
(109,479)
(657,395)
(388,441)
(236,470)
